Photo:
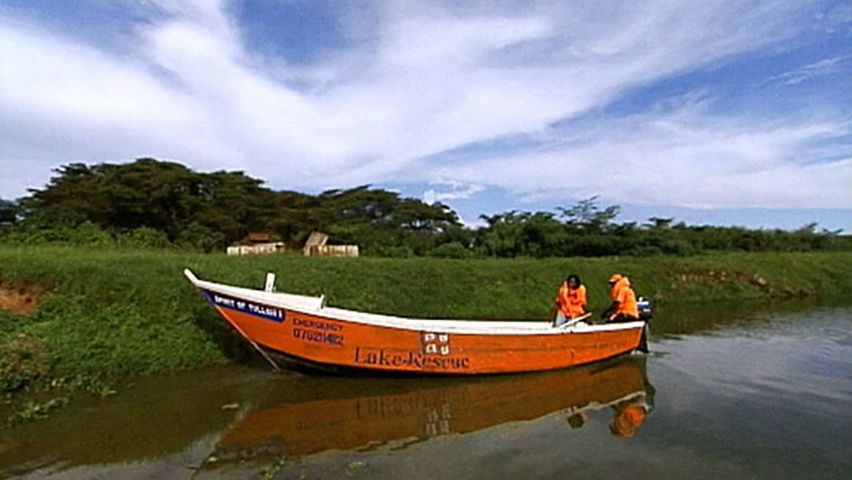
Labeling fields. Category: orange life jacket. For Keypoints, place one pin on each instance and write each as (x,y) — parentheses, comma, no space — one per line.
(615,281)
(626,298)
(572,301)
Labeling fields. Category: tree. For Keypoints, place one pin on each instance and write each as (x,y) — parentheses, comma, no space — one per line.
(588,216)
(516,233)
(9,212)
(165,196)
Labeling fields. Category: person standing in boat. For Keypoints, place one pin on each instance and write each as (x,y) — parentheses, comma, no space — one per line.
(570,299)
(623,307)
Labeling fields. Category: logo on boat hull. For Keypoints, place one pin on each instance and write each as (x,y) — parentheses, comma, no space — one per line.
(381,358)
(435,343)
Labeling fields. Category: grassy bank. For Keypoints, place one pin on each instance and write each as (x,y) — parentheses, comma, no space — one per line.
(102,312)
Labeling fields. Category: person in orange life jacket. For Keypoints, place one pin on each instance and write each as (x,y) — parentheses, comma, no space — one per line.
(570,299)
(613,284)
(623,307)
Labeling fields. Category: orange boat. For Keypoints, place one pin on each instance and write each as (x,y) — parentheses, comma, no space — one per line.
(302,328)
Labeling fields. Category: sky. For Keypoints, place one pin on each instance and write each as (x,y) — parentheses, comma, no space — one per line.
(722,111)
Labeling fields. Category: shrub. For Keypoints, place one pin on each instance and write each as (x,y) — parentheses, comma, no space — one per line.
(403,251)
(146,237)
(201,238)
(450,250)
(22,360)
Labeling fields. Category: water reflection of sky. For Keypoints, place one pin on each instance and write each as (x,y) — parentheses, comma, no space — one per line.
(774,399)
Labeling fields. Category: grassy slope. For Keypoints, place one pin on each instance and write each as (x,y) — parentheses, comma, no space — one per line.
(130,311)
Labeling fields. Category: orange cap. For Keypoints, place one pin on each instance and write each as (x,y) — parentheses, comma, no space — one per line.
(616,277)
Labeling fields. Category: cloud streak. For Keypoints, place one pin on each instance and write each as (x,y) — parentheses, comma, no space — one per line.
(422,82)
(680,156)
(820,68)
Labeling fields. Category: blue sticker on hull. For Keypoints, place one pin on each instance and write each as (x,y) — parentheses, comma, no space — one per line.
(266,312)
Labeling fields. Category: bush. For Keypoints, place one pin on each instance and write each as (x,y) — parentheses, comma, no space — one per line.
(201,238)
(146,237)
(594,246)
(22,360)
(402,251)
(644,251)
(84,234)
(450,250)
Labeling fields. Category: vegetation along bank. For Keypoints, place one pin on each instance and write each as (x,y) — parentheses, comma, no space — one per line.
(73,314)
(150,203)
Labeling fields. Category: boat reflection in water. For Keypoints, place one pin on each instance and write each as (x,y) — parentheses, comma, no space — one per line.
(336,413)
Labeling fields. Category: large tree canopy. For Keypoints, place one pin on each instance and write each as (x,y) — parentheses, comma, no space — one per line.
(164,196)
(171,198)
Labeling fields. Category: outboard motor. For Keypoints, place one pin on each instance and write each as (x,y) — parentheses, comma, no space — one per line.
(644,307)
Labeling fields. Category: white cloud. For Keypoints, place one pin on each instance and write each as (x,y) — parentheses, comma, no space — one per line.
(64,102)
(431,78)
(681,157)
(454,190)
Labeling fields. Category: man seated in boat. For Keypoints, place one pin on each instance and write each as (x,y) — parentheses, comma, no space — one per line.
(570,300)
(623,307)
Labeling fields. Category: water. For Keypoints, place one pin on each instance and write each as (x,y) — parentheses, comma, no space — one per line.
(746,392)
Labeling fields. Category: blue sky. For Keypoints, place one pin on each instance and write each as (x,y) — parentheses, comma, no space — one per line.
(726,111)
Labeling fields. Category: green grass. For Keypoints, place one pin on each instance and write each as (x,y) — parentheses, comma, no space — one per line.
(120,312)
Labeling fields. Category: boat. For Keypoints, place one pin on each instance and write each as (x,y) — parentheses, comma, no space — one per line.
(302,329)
(306,415)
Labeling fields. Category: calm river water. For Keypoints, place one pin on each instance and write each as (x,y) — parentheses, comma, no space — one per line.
(749,392)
